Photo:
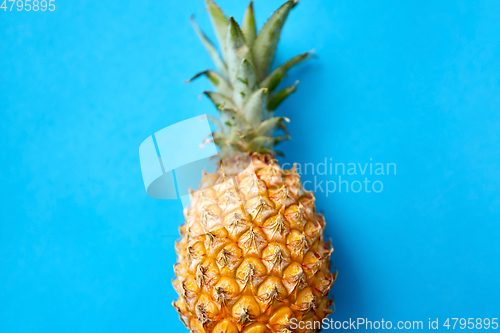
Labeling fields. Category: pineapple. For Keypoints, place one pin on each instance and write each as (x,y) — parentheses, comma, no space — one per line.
(251,257)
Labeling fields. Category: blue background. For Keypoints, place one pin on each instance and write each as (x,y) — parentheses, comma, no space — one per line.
(416,83)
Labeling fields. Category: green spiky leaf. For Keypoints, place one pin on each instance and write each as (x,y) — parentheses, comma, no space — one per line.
(258,143)
(237,49)
(233,119)
(210,47)
(255,107)
(267,127)
(220,101)
(219,23)
(273,79)
(248,27)
(216,121)
(246,83)
(266,42)
(280,96)
(264,144)
(221,141)
(226,144)
(216,80)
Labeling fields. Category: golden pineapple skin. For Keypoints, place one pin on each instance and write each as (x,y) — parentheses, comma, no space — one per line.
(264,260)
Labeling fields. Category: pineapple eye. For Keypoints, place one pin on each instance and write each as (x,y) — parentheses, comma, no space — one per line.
(246,309)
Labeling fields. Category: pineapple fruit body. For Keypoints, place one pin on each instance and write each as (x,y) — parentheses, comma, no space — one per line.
(252,256)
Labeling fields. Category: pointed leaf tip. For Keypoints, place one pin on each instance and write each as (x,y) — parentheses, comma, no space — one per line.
(249,27)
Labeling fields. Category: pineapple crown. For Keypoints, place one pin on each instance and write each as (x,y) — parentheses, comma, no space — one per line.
(245,87)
